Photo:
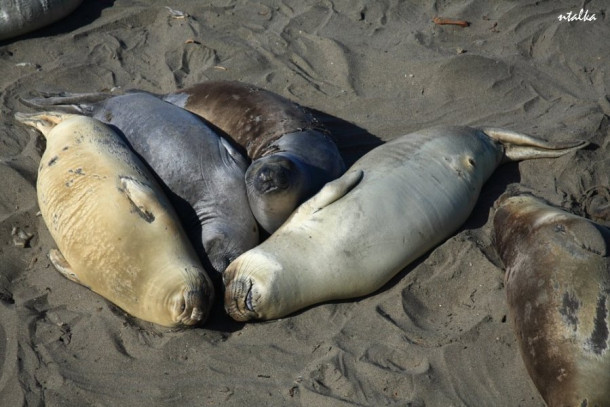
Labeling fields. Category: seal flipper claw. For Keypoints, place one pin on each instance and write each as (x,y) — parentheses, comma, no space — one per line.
(61,264)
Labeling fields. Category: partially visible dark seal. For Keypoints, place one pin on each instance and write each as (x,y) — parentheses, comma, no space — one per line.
(23,16)
(292,156)
(558,289)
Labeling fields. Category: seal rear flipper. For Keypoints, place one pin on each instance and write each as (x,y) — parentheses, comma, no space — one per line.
(44,121)
(61,264)
(143,197)
(518,146)
(82,103)
(330,193)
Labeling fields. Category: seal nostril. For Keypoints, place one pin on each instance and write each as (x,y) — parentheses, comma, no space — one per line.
(265,175)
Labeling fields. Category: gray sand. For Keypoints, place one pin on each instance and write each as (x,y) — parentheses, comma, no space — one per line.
(437,334)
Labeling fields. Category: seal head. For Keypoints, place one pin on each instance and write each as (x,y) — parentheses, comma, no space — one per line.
(294,167)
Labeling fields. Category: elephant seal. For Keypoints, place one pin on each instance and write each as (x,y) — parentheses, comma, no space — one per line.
(19,17)
(116,231)
(203,172)
(292,154)
(558,288)
(394,204)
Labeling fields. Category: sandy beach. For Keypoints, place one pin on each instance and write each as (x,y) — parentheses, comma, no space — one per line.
(437,334)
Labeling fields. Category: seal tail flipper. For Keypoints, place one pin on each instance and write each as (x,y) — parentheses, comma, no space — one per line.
(330,193)
(82,103)
(518,146)
(61,264)
(44,121)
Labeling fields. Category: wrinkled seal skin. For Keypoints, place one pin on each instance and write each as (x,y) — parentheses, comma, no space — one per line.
(292,156)
(558,288)
(116,231)
(19,17)
(394,204)
(204,173)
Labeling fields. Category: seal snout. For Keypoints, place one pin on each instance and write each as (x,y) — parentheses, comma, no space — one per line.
(192,307)
(273,174)
(239,303)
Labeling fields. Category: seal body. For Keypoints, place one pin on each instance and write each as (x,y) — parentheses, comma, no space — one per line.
(292,155)
(392,205)
(115,229)
(558,288)
(203,173)
(23,16)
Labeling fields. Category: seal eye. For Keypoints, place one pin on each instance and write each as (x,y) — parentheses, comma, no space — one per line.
(182,306)
(471,162)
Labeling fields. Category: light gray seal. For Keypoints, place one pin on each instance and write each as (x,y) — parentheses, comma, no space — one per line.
(394,204)
(558,292)
(203,172)
(19,17)
(116,231)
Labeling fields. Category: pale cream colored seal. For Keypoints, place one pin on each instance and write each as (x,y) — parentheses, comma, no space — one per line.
(392,206)
(558,294)
(115,229)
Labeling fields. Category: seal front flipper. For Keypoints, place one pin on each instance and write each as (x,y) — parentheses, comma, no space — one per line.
(330,193)
(143,198)
(61,264)
(590,237)
(232,155)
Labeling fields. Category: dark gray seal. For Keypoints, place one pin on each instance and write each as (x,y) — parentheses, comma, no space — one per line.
(19,17)
(292,154)
(558,289)
(202,171)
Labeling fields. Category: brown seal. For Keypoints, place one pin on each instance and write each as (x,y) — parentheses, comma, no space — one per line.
(558,288)
(292,155)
